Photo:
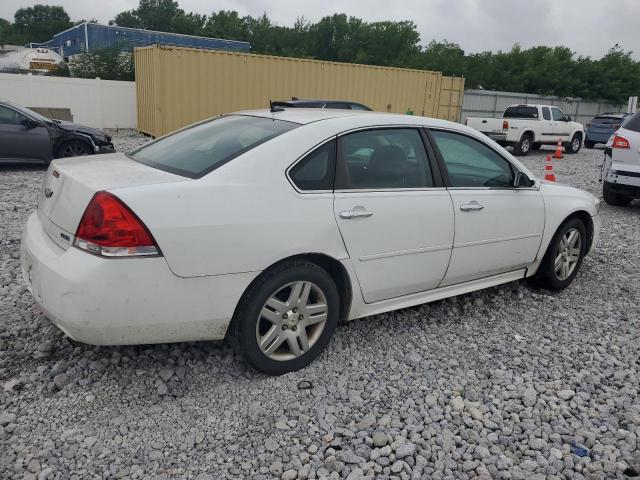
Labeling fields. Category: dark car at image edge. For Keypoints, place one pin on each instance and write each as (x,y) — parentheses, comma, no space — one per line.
(28,137)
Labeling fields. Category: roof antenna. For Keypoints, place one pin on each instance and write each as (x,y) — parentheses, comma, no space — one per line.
(275,108)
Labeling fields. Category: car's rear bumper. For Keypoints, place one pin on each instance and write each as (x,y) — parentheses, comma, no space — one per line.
(118,301)
(496,137)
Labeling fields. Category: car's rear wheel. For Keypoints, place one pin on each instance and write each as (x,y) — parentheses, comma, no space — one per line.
(73,148)
(574,145)
(286,318)
(613,198)
(564,256)
(589,144)
(523,147)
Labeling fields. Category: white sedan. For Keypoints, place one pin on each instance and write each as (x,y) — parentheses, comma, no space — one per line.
(269,228)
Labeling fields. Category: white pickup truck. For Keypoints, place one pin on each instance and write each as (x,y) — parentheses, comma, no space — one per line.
(527,127)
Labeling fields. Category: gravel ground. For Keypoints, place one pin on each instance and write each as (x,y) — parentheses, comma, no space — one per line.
(496,384)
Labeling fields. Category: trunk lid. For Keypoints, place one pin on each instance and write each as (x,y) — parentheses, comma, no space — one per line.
(70,183)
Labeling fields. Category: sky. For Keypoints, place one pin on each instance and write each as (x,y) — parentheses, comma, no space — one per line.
(588,27)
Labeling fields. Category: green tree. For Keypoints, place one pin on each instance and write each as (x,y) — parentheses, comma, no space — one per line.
(40,22)
(161,15)
(105,63)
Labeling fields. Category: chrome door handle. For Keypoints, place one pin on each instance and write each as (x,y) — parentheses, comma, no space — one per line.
(355,213)
(471,207)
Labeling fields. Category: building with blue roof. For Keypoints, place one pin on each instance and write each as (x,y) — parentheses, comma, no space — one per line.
(89,36)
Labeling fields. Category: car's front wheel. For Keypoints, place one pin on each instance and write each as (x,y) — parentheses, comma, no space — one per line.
(73,148)
(286,318)
(564,256)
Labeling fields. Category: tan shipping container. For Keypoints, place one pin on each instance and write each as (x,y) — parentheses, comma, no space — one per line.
(179,86)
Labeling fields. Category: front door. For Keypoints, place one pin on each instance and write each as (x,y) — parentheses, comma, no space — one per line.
(395,219)
(562,129)
(19,142)
(498,228)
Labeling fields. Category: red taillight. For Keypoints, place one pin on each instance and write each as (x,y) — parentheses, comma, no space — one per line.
(109,228)
(505,125)
(621,142)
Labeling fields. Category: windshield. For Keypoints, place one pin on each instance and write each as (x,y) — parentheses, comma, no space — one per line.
(201,148)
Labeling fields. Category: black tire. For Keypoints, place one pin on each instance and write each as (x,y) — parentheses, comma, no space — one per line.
(613,198)
(589,144)
(245,323)
(523,147)
(536,146)
(574,145)
(73,148)
(546,276)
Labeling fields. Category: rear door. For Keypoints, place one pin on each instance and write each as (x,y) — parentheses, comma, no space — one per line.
(498,228)
(21,143)
(394,215)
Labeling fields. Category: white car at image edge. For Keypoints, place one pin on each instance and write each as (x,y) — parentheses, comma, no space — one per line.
(269,228)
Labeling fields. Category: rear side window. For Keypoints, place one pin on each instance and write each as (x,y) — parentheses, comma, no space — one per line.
(632,123)
(383,158)
(317,170)
(521,112)
(470,163)
(202,148)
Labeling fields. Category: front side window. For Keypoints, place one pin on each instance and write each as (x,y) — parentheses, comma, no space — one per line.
(470,163)
(199,149)
(8,116)
(316,171)
(383,158)
(558,115)
(546,113)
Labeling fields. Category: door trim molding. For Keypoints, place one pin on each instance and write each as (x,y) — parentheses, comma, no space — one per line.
(413,251)
(496,240)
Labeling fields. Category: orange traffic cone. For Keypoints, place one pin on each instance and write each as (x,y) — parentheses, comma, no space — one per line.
(548,170)
(559,149)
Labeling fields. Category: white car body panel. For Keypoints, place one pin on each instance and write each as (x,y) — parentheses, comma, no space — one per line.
(415,249)
(498,238)
(84,295)
(219,232)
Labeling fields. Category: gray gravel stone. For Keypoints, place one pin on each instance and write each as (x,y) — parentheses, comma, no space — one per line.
(469,387)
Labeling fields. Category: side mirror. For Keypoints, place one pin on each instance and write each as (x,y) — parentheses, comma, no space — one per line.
(522,180)
(30,123)
(568,118)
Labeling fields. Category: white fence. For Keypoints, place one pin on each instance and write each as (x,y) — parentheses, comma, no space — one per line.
(489,103)
(93,102)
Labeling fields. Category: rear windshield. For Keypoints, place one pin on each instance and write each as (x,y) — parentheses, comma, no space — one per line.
(197,150)
(521,112)
(632,123)
(608,120)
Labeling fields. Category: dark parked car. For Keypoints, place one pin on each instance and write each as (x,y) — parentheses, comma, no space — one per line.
(28,137)
(600,129)
(339,104)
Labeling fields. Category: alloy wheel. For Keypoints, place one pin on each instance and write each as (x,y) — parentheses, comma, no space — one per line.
(567,254)
(74,150)
(291,321)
